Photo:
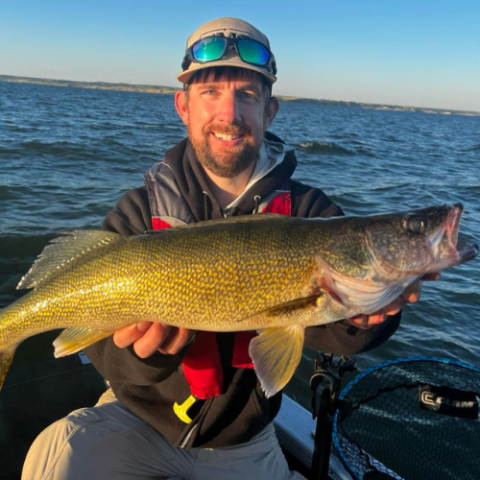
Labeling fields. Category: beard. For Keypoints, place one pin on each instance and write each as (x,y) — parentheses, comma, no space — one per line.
(233,160)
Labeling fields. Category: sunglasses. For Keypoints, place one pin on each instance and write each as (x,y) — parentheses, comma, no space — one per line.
(210,49)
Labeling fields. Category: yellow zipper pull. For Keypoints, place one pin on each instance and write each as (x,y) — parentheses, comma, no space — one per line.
(181,410)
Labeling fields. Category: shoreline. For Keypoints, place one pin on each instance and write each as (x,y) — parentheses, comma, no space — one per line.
(127,87)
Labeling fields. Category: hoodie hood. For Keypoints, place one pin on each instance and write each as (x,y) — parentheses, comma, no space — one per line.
(273,170)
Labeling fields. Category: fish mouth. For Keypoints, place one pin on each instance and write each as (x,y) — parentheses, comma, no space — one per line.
(449,250)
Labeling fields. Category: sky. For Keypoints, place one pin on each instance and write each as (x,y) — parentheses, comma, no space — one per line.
(423,53)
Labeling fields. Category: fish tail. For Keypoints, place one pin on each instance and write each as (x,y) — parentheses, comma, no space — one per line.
(6,358)
(7,347)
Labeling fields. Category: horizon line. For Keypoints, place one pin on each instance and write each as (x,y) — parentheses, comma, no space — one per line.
(137,86)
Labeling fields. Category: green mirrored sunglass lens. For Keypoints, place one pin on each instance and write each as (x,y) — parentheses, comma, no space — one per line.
(253,52)
(209,49)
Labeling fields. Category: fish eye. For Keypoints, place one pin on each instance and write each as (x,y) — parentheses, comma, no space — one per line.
(414,224)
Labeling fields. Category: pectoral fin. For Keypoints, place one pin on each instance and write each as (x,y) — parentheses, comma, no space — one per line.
(302,311)
(73,340)
(276,353)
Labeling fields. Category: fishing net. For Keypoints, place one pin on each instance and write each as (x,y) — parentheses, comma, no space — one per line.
(411,419)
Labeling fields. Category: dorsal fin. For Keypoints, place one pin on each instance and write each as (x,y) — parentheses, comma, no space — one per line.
(63,250)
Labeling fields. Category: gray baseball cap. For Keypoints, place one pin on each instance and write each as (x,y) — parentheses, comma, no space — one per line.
(230,28)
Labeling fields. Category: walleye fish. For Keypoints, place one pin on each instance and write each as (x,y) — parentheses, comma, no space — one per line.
(270,273)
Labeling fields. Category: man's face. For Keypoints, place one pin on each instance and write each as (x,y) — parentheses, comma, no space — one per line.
(226,120)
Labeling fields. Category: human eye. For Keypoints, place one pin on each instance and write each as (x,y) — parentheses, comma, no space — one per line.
(248,95)
(208,90)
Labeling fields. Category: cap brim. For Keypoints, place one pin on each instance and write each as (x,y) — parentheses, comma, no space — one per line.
(185,76)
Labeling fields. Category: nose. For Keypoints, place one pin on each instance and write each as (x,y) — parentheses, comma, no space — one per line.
(229,108)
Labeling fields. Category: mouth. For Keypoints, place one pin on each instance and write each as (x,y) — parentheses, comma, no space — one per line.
(452,225)
(227,139)
(461,252)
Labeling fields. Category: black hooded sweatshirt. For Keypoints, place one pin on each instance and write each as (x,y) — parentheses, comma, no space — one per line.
(150,387)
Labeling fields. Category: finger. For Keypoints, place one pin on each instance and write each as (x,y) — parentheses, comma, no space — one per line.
(130,334)
(372,319)
(364,322)
(431,276)
(394,307)
(412,293)
(152,339)
(176,340)
(358,320)
(376,318)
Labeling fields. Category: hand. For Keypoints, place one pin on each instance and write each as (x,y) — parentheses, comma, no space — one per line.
(148,338)
(410,295)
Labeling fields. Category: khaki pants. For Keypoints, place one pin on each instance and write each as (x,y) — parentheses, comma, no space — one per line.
(108,442)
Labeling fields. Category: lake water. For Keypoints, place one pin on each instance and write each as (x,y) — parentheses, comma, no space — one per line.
(67,154)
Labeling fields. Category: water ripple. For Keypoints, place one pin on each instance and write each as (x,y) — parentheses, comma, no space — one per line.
(323,148)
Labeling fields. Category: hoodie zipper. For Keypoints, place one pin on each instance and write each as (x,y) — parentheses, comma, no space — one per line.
(183,442)
(188,436)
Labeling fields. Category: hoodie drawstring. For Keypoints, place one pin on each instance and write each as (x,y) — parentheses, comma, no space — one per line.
(206,198)
(257,199)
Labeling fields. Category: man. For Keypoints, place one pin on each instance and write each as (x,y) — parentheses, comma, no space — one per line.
(180,405)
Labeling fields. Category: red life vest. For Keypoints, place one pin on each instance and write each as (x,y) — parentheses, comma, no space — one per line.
(202,366)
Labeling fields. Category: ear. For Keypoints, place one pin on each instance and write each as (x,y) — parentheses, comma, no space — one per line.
(271,111)
(181,105)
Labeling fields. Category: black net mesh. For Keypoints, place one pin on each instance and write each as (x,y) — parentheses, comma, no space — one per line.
(412,419)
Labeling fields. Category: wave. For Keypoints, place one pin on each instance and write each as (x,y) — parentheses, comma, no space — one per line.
(84,151)
(150,124)
(13,127)
(393,139)
(324,147)
(21,246)
(17,253)
(472,149)
(57,148)
(108,150)
(11,193)
(8,150)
